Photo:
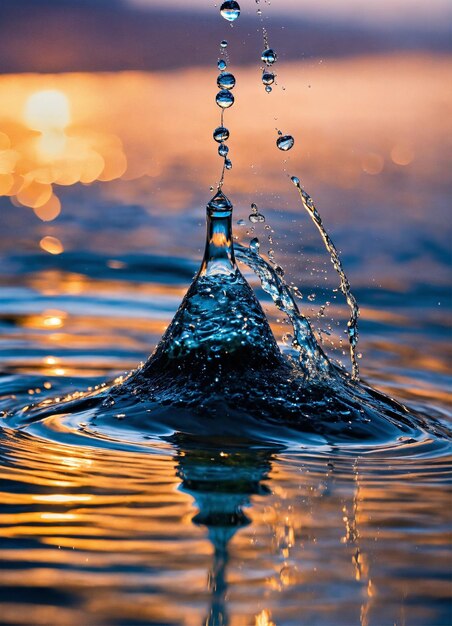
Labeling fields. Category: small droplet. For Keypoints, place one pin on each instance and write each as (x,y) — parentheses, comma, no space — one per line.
(230,10)
(255,245)
(285,142)
(295,180)
(226,81)
(268,78)
(311,297)
(269,56)
(221,134)
(268,89)
(225,99)
(228,164)
(223,150)
(256,217)
(222,65)
(241,222)
(224,43)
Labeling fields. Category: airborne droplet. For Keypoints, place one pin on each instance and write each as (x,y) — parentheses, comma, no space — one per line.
(223,150)
(224,43)
(285,142)
(269,56)
(230,10)
(268,78)
(224,99)
(226,81)
(221,134)
(255,245)
(222,65)
(228,164)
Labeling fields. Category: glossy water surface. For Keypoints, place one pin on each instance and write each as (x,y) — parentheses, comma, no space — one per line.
(130,525)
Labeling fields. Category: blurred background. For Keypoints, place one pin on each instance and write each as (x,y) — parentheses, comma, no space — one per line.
(106,160)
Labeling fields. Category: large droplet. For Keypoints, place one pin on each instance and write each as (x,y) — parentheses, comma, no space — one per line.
(285,142)
(223,150)
(226,80)
(221,134)
(230,10)
(269,56)
(268,78)
(224,99)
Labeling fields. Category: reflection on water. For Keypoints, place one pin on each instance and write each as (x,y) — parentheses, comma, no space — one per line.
(187,535)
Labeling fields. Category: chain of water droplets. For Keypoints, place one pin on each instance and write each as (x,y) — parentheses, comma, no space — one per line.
(230,11)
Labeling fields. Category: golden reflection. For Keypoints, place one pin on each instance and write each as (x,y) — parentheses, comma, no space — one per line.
(47,146)
(264,619)
(51,244)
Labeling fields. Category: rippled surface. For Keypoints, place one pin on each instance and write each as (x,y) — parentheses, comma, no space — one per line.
(135,527)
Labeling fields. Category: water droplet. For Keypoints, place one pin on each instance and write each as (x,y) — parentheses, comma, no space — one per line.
(256,217)
(268,78)
(285,142)
(255,245)
(295,180)
(221,134)
(311,297)
(226,81)
(269,56)
(230,10)
(254,207)
(241,222)
(224,43)
(224,99)
(228,164)
(223,150)
(268,89)
(222,65)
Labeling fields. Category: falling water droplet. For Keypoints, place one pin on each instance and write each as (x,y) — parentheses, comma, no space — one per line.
(269,56)
(222,65)
(268,89)
(230,10)
(223,150)
(226,81)
(256,217)
(224,99)
(285,142)
(221,134)
(228,164)
(295,180)
(268,78)
(255,245)
(224,43)
(241,222)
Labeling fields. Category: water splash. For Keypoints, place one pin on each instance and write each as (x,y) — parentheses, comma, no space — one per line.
(352,324)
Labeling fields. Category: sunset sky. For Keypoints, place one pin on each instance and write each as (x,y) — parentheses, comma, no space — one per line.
(385,11)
